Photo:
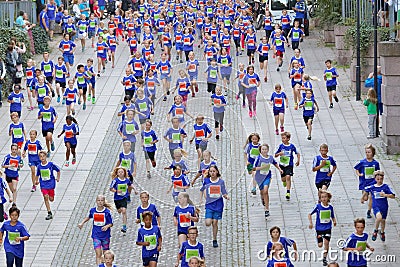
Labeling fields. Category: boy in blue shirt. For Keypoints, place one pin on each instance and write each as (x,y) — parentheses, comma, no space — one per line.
(322,165)
(330,76)
(380,192)
(356,244)
(309,105)
(16,98)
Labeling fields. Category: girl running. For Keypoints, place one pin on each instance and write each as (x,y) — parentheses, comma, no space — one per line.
(185,215)
(101,231)
(70,96)
(179,182)
(251,152)
(279,102)
(71,130)
(146,206)
(149,140)
(33,146)
(11,164)
(251,82)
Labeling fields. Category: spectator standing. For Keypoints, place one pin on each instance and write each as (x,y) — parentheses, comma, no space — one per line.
(51,14)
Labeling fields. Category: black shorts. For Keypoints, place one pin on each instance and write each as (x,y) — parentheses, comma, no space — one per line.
(84,89)
(306,118)
(147,260)
(149,155)
(10,179)
(324,235)
(331,88)
(49,79)
(288,170)
(62,84)
(181,233)
(121,203)
(250,52)
(262,58)
(295,83)
(142,121)
(44,132)
(202,146)
(70,145)
(322,183)
(211,87)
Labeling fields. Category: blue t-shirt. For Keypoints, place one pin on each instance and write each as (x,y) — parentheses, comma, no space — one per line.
(330,81)
(297,76)
(128,82)
(183,86)
(308,106)
(181,180)
(264,173)
(324,217)
(201,131)
(100,218)
(48,115)
(17,133)
(150,235)
(322,174)
(218,100)
(33,148)
(214,190)
(11,172)
(252,151)
(164,68)
(70,133)
(355,258)
(67,46)
(286,243)
(17,104)
(183,222)
(47,68)
(251,80)
(188,250)
(42,91)
(143,105)
(128,128)
(178,111)
(193,67)
(46,175)
(224,60)
(263,49)
(60,73)
(273,262)
(367,169)
(3,187)
(151,85)
(10,232)
(287,158)
(175,135)
(122,186)
(147,138)
(296,34)
(212,74)
(153,209)
(71,95)
(51,11)
(278,100)
(127,161)
(379,203)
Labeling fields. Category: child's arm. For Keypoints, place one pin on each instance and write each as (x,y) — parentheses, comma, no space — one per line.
(159,244)
(195,178)
(298,159)
(383,194)
(10,199)
(279,168)
(334,221)
(316,105)
(226,197)
(170,188)
(333,170)
(134,189)
(364,197)
(175,221)
(310,220)
(85,220)
(58,176)
(63,131)
(134,169)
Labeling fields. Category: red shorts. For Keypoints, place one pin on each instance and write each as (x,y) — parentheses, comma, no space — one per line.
(184,98)
(49,192)
(19,144)
(279,53)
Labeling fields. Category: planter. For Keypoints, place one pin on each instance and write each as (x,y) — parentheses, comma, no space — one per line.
(343,54)
(329,35)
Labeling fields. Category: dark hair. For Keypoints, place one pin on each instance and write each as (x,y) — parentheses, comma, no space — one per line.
(14,209)
(21,12)
(328,60)
(176,166)
(127,97)
(69,117)
(359,220)
(216,168)
(147,214)
(274,228)
(60,58)
(79,66)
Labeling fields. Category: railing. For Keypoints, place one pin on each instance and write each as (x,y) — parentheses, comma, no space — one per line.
(349,9)
(9,11)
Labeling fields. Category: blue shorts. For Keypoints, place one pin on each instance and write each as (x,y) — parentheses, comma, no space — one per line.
(165,76)
(382,211)
(102,8)
(69,102)
(264,183)
(179,47)
(33,163)
(193,77)
(147,260)
(69,58)
(91,34)
(212,214)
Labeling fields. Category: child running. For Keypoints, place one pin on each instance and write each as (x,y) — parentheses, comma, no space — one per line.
(218,102)
(202,133)
(286,161)
(309,106)
(325,166)
(323,224)
(11,164)
(146,206)
(330,76)
(33,146)
(101,231)
(380,193)
(279,102)
(191,249)
(71,130)
(179,182)
(262,176)
(4,188)
(149,140)
(48,116)
(214,191)
(150,239)
(185,215)
(251,82)
(276,237)
(45,177)
(251,152)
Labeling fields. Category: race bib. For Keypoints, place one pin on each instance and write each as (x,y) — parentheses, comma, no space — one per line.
(214,191)
(32,149)
(213,74)
(130,128)
(45,174)
(142,106)
(183,221)
(12,236)
(126,163)
(152,240)
(308,105)
(176,138)
(278,102)
(254,152)
(99,219)
(46,116)
(147,141)
(69,134)
(325,216)
(369,172)
(327,166)
(17,132)
(122,188)
(265,168)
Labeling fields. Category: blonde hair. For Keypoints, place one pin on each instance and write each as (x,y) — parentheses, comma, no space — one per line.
(107,204)
(371,96)
(189,201)
(181,151)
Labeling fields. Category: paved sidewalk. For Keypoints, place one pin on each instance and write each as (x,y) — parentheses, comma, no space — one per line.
(243,229)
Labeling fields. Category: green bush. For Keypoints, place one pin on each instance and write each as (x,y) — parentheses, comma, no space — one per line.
(40,40)
(5,37)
